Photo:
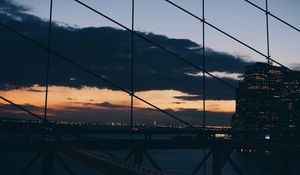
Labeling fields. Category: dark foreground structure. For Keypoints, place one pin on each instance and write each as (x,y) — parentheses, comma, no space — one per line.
(54,145)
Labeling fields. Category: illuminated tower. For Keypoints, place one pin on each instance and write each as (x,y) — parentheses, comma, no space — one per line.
(267,97)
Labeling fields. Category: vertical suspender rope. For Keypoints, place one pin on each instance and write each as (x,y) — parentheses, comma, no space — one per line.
(48,61)
(131,71)
(267,27)
(269,108)
(204,84)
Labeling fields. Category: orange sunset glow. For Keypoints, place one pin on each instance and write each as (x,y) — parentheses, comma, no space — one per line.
(61,97)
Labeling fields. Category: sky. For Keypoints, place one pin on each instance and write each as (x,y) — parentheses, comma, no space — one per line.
(236,17)
(160,79)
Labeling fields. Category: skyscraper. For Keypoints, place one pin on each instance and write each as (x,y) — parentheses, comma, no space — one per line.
(268,97)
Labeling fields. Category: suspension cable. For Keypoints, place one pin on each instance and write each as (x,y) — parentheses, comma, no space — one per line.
(24,109)
(225,33)
(270,14)
(141,36)
(267,33)
(48,60)
(204,84)
(156,44)
(132,69)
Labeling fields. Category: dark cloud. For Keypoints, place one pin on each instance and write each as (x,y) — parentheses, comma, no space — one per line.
(189,98)
(105,50)
(103,105)
(10,9)
(26,106)
(109,105)
(35,90)
(8,111)
(177,102)
(71,99)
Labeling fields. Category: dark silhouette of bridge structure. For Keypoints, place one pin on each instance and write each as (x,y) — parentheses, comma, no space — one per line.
(51,139)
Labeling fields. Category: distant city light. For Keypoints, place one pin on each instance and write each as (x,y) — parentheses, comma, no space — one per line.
(267,137)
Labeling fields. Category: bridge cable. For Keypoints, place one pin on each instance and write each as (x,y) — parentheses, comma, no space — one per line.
(182,59)
(48,60)
(225,33)
(132,69)
(92,73)
(157,45)
(270,14)
(269,115)
(204,85)
(267,29)
(24,109)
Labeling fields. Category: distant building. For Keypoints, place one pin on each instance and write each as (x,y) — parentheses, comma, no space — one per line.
(154,123)
(268,97)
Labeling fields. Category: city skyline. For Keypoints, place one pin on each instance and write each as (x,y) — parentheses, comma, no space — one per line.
(267,98)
